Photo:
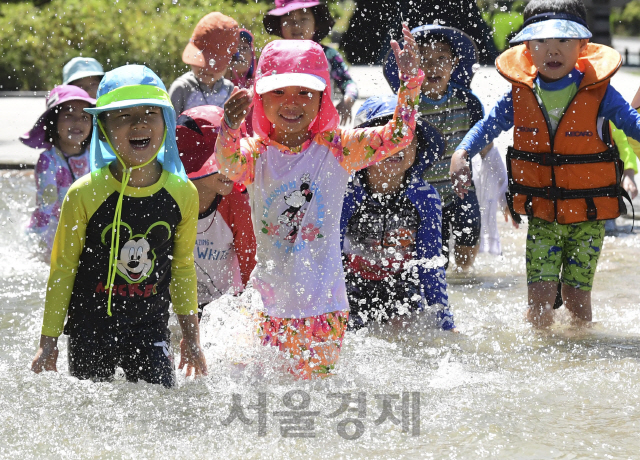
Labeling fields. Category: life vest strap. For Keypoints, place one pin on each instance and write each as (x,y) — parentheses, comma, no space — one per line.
(554,159)
(557,193)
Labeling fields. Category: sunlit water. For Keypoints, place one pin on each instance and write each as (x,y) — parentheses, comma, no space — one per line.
(496,390)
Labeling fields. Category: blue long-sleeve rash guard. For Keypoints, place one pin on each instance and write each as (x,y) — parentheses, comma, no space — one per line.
(614,108)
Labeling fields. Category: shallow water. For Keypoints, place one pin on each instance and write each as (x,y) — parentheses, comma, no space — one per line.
(496,390)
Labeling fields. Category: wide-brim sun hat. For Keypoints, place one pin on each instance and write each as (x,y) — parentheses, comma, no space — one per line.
(37,137)
(464,49)
(323,19)
(294,63)
(552,25)
(378,110)
(196,134)
(81,67)
(213,43)
(132,86)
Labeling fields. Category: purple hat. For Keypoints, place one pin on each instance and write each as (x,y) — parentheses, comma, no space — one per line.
(36,137)
(324,21)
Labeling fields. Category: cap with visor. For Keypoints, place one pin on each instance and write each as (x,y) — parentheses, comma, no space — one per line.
(81,67)
(552,25)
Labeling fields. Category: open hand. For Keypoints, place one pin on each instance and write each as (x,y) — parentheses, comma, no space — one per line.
(192,357)
(237,107)
(408,58)
(46,356)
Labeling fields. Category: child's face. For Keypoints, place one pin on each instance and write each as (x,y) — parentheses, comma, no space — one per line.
(298,25)
(74,125)
(394,166)
(135,132)
(291,109)
(242,62)
(215,184)
(89,84)
(207,76)
(438,63)
(555,57)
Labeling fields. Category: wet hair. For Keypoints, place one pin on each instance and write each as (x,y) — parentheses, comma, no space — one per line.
(430,39)
(575,7)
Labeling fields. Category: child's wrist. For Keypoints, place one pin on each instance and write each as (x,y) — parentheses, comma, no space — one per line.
(418,74)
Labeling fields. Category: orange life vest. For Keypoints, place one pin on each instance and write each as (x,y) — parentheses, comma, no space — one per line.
(575,175)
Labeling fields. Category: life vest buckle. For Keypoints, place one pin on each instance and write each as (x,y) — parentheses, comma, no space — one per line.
(549,159)
(552,193)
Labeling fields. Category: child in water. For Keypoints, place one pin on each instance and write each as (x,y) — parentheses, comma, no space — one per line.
(296,170)
(209,51)
(391,222)
(124,246)
(447,57)
(563,170)
(311,20)
(225,250)
(64,130)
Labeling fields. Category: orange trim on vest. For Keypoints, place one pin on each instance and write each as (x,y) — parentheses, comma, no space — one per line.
(592,180)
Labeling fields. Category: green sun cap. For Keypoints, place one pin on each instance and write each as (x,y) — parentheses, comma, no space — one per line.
(131,96)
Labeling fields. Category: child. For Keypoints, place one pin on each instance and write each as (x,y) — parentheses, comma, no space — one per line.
(563,173)
(296,169)
(209,51)
(311,20)
(124,247)
(64,129)
(84,73)
(447,102)
(243,64)
(391,225)
(225,249)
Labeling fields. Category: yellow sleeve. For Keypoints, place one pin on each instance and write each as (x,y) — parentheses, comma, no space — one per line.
(359,148)
(183,286)
(627,155)
(65,255)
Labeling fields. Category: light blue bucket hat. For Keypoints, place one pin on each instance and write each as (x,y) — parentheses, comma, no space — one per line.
(552,25)
(81,67)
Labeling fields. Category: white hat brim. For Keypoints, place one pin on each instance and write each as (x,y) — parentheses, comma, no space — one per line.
(551,28)
(304,80)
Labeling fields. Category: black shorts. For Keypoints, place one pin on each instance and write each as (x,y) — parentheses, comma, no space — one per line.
(462,220)
(145,357)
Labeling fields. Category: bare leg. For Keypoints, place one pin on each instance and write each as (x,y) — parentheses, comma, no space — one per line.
(542,296)
(465,255)
(578,302)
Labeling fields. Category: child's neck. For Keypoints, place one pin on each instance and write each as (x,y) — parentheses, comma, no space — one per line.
(206,199)
(291,139)
(141,177)
(380,183)
(69,149)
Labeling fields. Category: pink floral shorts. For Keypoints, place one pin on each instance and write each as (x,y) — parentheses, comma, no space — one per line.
(312,343)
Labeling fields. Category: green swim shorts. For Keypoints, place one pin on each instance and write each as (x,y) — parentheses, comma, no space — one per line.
(572,249)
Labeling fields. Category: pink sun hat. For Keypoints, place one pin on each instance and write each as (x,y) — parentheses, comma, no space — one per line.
(321,13)
(37,137)
(294,63)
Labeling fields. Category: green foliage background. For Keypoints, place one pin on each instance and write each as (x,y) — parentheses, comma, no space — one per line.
(36,42)
(626,21)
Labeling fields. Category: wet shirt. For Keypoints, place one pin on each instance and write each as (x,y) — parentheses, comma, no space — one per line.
(155,260)
(187,92)
(452,116)
(225,247)
(54,173)
(381,236)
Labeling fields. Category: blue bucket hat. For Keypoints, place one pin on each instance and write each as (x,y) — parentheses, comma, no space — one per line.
(81,67)
(463,47)
(552,25)
(131,86)
(378,110)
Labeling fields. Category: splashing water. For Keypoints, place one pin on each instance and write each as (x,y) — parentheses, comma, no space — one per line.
(496,390)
